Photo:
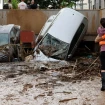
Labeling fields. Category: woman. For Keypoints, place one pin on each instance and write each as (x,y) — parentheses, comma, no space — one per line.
(101,39)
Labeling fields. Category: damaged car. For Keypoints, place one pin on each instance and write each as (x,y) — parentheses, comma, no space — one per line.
(9,40)
(63,35)
(45,28)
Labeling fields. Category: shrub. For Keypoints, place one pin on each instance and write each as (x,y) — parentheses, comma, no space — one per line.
(15,4)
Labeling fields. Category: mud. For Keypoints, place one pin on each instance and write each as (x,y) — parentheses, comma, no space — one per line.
(58,83)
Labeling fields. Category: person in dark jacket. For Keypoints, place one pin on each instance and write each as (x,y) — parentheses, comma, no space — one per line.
(33,5)
(5,6)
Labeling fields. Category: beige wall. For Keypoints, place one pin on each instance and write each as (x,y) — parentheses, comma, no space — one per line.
(27,19)
(35,19)
(102,13)
(93,23)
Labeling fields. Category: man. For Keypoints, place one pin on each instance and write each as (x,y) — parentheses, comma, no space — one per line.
(22,5)
(10,4)
(5,6)
(101,39)
(33,5)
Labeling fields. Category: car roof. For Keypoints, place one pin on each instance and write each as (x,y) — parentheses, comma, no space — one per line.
(6,28)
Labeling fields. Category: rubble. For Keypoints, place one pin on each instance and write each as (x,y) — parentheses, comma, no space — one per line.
(69,83)
(28,58)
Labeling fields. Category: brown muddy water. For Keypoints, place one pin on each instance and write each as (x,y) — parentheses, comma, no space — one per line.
(51,83)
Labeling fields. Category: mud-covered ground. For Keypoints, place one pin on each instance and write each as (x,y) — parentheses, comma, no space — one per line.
(51,83)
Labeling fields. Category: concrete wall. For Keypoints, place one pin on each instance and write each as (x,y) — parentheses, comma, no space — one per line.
(27,19)
(102,13)
(35,19)
(93,23)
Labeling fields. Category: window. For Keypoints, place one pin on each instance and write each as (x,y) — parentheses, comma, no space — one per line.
(53,47)
(4,39)
(76,38)
(12,35)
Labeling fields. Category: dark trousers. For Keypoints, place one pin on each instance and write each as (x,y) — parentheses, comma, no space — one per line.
(102,60)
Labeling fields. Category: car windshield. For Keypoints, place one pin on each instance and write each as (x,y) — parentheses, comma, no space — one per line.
(53,47)
(4,39)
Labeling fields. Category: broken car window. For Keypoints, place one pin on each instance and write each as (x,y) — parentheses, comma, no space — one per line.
(4,39)
(53,47)
(12,35)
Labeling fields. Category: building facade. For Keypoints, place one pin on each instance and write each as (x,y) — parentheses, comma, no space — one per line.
(1,4)
(85,4)
(99,4)
(90,4)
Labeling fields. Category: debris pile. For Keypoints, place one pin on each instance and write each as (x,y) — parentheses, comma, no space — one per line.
(82,68)
(52,82)
(76,69)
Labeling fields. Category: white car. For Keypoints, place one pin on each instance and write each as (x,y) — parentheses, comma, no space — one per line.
(64,34)
(45,28)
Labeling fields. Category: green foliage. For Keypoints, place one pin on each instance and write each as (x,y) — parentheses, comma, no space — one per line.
(64,3)
(43,4)
(68,3)
(71,4)
(15,4)
(56,4)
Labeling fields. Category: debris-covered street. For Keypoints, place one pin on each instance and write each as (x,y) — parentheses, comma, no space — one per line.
(51,57)
(51,83)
